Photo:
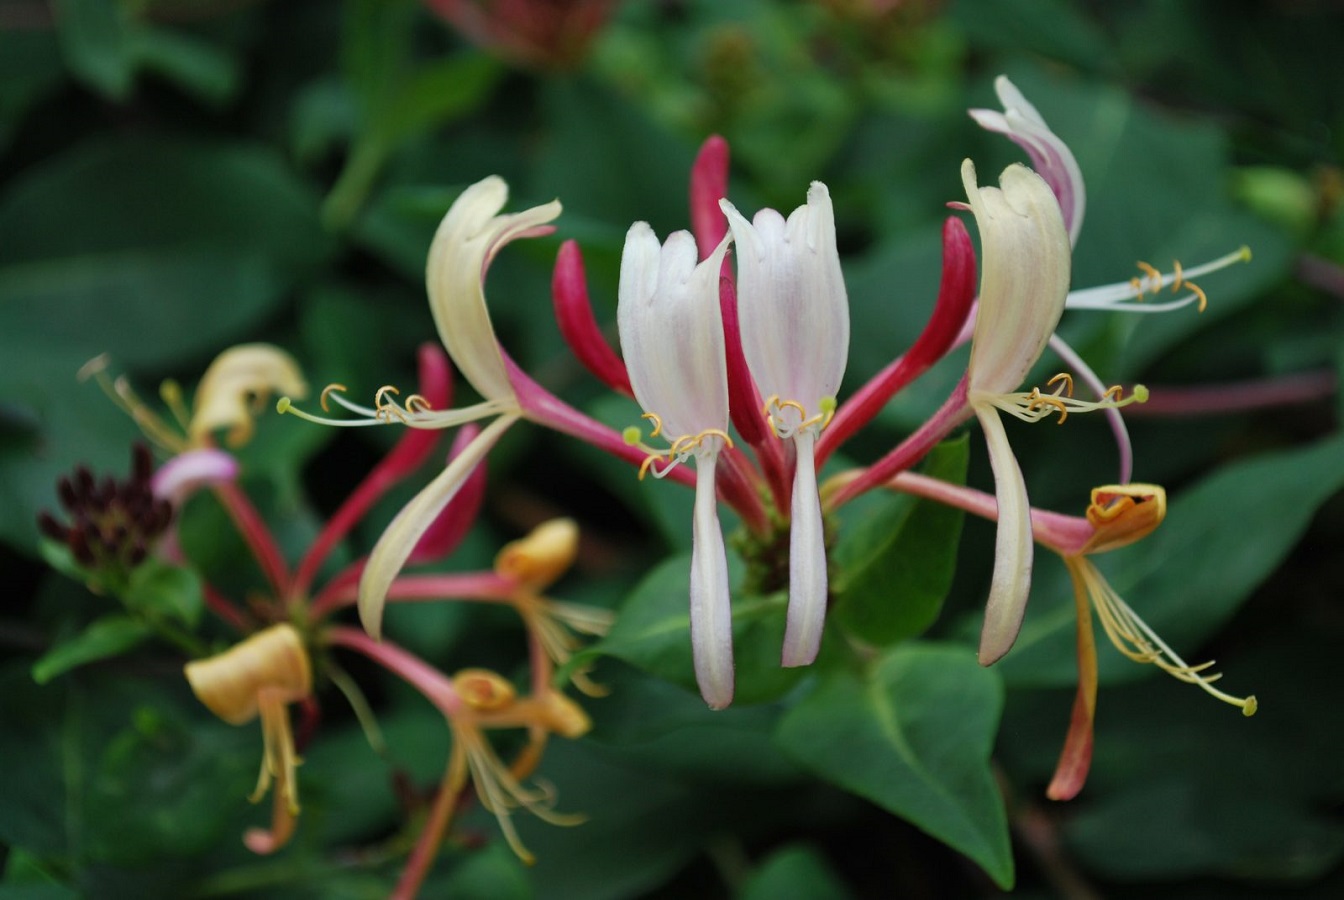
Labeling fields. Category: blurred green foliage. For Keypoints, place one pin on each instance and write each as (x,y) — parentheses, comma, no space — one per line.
(180,175)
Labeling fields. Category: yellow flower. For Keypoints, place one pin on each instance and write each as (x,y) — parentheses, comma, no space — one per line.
(488,701)
(533,563)
(260,676)
(233,391)
(1119,515)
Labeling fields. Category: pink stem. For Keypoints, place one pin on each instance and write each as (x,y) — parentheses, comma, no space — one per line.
(578,325)
(254,531)
(1321,273)
(1066,535)
(910,451)
(409,454)
(225,608)
(1240,396)
(431,836)
(437,687)
(956,293)
(450,586)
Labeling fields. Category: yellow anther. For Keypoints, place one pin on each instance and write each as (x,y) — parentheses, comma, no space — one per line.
(1178,282)
(326,391)
(1114,393)
(647,464)
(1036,401)
(416,403)
(1150,273)
(657,424)
(385,408)
(1137,286)
(1198,292)
(1067,380)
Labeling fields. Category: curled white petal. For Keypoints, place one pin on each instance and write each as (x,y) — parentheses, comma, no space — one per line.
(807,562)
(1050,156)
(711,606)
(1011,581)
(465,243)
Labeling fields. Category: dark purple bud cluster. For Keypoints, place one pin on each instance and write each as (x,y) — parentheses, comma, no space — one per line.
(113,524)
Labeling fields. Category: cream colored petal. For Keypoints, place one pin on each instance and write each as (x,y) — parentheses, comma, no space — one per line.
(1026,263)
(236,386)
(807,561)
(397,542)
(466,241)
(671,330)
(541,557)
(791,300)
(711,605)
(1011,581)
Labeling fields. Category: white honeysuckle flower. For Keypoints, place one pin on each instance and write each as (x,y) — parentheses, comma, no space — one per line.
(468,238)
(1051,157)
(671,334)
(1025,277)
(794,316)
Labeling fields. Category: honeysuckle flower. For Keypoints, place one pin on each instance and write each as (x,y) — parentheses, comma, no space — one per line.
(261,676)
(1026,263)
(232,392)
(1117,516)
(1055,162)
(672,337)
(533,563)
(794,318)
(490,702)
(545,33)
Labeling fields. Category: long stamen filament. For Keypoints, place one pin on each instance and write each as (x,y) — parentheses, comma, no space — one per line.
(1136,640)
(416,413)
(1033,405)
(1119,296)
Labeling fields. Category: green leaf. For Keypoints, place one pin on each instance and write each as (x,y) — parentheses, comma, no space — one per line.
(1195,571)
(494,873)
(913,734)
(896,567)
(96,41)
(162,590)
(795,873)
(109,636)
(653,633)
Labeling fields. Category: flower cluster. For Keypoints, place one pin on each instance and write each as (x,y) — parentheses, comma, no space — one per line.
(285,652)
(737,364)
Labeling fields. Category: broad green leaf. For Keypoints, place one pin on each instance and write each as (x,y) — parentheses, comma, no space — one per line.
(913,734)
(895,568)
(653,633)
(1220,540)
(111,635)
(795,873)
(162,590)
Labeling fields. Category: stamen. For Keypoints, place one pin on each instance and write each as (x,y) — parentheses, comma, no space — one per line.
(1136,640)
(326,391)
(1067,379)
(1118,296)
(1034,406)
(678,452)
(657,423)
(775,406)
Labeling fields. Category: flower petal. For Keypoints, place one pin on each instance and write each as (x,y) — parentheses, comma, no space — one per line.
(711,609)
(807,562)
(1011,581)
(672,330)
(465,243)
(402,535)
(1025,276)
(188,472)
(237,384)
(1050,156)
(791,300)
